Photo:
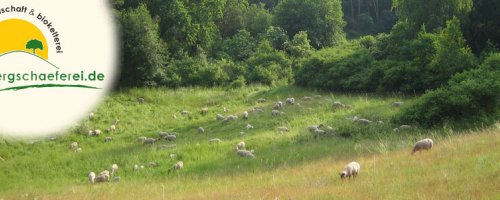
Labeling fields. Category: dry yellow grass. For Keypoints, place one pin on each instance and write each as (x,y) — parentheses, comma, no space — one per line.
(459,167)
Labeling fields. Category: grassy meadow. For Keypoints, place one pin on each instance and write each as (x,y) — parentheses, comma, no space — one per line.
(293,165)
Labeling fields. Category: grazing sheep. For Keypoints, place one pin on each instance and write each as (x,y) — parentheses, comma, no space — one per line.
(103,177)
(338,104)
(219,117)
(363,121)
(162,134)
(73,145)
(278,105)
(275,112)
(229,118)
(178,166)
(184,112)
(282,129)
(149,141)
(245,153)
(79,150)
(397,104)
(352,169)
(201,130)
(172,156)
(307,98)
(91,177)
(91,116)
(290,101)
(108,139)
(142,139)
(425,144)
(112,128)
(245,115)
(261,100)
(255,109)
(140,100)
(402,128)
(170,137)
(249,126)
(215,140)
(114,168)
(204,111)
(240,146)
(96,132)
(313,128)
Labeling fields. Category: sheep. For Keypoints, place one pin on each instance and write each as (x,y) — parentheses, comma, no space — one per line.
(282,129)
(96,132)
(170,137)
(245,153)
(425,144)
(140,100)
(204,111)
(219,117)
(363,121)
(338,104)
(108,139)
(178,166)
(91,116)
(229,118)
(184,112)
(397,104)
(240,146)
(249,126)
(215,140)
(102,177)
(201,130)
(307,98)
(79,150)
(275,112)
(255,109)
(261,100)
(91,177)
(136,167)
(112,128)
(73,145)
(278,105)
(142,139)
(245,115)
(162,134)
(225,110)
(290,101)
(149,141)
(114,168)
(313,128)
(402,128)
(352,169)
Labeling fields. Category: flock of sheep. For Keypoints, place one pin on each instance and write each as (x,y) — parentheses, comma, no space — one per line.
(351,170)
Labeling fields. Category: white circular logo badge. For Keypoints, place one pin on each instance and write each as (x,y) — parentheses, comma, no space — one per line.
(57,61)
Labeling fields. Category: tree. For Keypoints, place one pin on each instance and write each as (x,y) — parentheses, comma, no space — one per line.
(299,46)
(34,44)
(483,26)
(432,14)
(240,46)
(322,19)
(143,50)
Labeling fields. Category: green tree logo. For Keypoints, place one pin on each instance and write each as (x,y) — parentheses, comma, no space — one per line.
(34,44)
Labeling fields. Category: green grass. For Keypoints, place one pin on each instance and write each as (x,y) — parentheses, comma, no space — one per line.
(291,163)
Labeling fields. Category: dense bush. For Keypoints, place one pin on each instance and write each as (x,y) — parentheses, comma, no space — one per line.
(269,66)
(470,97)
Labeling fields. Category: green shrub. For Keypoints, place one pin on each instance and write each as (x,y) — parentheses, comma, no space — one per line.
(470,97)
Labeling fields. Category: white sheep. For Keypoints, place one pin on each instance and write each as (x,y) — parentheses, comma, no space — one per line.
(170,137)
(278,105)
(184,112)
(245,153)
(112,128)
(249,126)
(338,104)
(102,177)
(97,132)
(162,134)
(397,104)
(255,109)
(79,150)
(352,169)
(219,117)
(73,146)
(261,100)
(201,130)
(240,145)
(204,110)
(108,139)
(290,101)
(114,168)
(245,115)
(425,144)
(282,129)
(140,100)
(177,166)
(142,139)
(275,112)
(231,117)
(215,140)
(363,121)
(313,128)
(91,177)
(402,128)
(149,141)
